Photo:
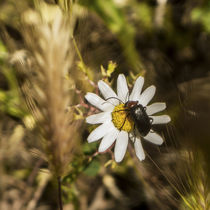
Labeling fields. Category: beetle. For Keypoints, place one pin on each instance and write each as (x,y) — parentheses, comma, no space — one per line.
(138,114)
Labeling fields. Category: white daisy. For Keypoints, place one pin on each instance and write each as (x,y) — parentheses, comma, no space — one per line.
(117,123)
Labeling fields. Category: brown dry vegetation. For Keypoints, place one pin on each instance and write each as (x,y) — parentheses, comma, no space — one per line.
(51,55)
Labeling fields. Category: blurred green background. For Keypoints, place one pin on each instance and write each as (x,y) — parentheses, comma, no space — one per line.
(168,42)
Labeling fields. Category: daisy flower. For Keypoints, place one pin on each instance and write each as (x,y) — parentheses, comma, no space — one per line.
(118,124)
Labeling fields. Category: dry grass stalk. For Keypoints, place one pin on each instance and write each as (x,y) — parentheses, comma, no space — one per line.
(47,39)
(198,182)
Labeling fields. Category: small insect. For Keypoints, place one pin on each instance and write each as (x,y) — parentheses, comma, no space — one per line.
(138,114)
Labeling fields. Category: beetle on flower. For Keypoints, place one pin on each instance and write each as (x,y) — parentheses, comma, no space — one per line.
(125,117)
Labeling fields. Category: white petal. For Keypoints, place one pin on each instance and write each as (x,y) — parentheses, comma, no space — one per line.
(100,131)
(99,118)
(162,119)
(98,102)
(154,138)
(107,92)
(132,137)
(122,88)
(137,89)
(108,140)
(147,95)
(139,149)
(121,146)
(155,107)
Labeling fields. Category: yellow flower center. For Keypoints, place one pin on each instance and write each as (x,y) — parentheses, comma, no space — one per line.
(121,119)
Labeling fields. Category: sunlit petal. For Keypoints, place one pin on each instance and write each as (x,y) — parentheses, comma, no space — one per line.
(162,119)
(98,102)
(99,118)
(147,95)
(108,140)
(122,88)
(100,132)
(121,146)
(135,94)
(139,149)
(107,93)
(155,107)
(154,138)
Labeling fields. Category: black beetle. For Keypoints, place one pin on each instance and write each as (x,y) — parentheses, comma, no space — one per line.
(138,114)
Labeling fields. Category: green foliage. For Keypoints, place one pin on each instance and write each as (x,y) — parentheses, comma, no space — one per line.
(173,52)
(116,21)
(10,101)
(89,148)
(202,15)
(111,68)
(70,195)
(93,168)
(84,163)
(144,14)
(3,52)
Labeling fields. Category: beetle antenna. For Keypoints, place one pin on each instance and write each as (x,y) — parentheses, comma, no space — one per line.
(127,95)
(114,98)
(106,100)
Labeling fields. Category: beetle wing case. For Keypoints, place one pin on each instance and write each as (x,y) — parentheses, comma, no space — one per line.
(141,119)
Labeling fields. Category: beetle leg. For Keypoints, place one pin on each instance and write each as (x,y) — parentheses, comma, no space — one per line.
(134,133)
(151,131)
(122,110)
(145,108)
(124,121)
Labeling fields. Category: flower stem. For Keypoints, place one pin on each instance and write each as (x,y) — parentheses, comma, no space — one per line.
(59,193)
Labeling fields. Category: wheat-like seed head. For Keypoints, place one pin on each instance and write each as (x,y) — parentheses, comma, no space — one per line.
(48,42)
(198,196)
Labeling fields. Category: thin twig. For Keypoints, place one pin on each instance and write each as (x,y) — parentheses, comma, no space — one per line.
(59,194)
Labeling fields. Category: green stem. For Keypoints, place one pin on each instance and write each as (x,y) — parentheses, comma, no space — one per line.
(77,50)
